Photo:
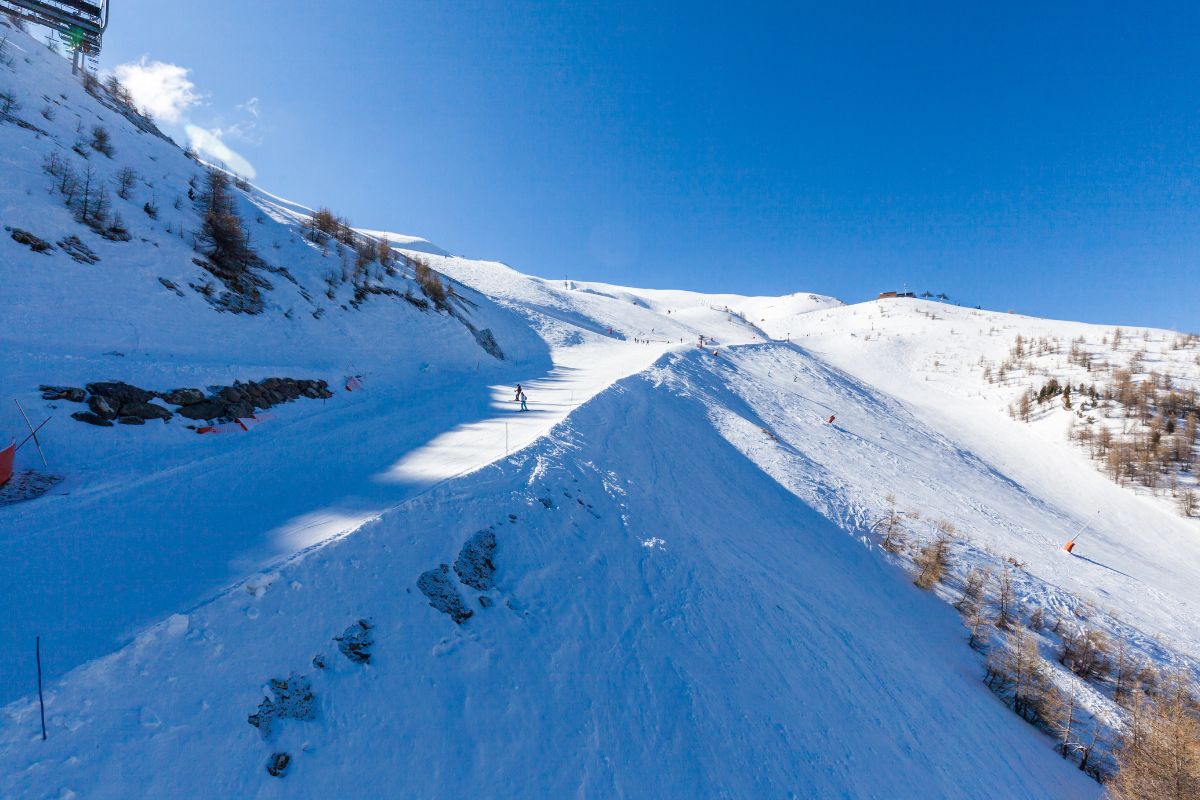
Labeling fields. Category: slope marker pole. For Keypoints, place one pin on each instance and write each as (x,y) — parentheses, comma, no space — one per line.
(41,701)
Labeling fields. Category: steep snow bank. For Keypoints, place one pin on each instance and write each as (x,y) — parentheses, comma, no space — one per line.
(667,621)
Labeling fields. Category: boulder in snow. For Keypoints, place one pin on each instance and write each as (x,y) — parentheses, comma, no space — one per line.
(92,419)
(474,564)
(356,642)
(278,764)
(436,585)
(183,397)
(293,700)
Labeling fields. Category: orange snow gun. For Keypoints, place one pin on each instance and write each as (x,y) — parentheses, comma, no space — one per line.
(1070,545)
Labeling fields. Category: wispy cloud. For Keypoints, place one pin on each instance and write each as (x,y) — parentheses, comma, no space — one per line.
(250,107)
(167,93)
(208,142)
(159,88)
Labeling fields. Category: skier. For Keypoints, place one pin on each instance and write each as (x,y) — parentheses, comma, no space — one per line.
(517,396)
(521,397)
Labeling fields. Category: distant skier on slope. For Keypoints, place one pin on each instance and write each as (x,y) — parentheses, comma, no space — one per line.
(517,395)
(521,397)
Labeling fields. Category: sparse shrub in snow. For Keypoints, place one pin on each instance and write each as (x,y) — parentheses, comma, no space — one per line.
(101,141)
(223,239)
(325,224)
(1017,672)
(430,282)
(1060,713)
(8,103)
(890,527)
(125,178)
(91,84)
(1086,653)
(1189,503)
(1004,599)
(1159,756)
(934,557)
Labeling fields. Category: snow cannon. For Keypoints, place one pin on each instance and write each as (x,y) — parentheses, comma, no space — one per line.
(830,420)
(1069,546)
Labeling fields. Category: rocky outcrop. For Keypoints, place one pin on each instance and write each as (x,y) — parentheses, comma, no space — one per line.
(278,764)
(74,247)
(34,243)
(356,642)
(293,699)
(92,419)
(70,393)
(115,400)
(183,397)
(439,589)
(474,564)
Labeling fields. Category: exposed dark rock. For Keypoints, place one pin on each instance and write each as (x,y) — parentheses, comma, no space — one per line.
(131,420)
(71,393)
(101,407)
(183,397)
(144,411)
(318,661)
(207,409)
(76,249)
(92,419)
(488,342)
(171,285)
(293,700)
(119,393)
(436,585)
(485,601)
(34,243)
(278,764)
(474,564)
(356,642)
(112,399)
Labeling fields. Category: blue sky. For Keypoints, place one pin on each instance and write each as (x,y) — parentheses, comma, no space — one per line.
(1040,157)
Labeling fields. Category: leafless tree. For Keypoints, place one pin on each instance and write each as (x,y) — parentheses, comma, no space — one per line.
(125,178)
(1159,757)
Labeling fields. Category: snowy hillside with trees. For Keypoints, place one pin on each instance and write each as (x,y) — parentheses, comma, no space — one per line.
(296,536)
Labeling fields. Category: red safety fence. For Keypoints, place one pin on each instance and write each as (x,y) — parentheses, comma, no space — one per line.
(237,426)
(6,463)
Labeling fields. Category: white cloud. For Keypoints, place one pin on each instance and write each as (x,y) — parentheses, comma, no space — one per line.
(159,88)
(208,143)
(250,107)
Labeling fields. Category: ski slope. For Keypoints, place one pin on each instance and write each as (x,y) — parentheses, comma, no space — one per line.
(688,600)
(653,644)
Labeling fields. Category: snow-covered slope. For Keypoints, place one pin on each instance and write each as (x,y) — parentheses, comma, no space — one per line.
(689,598)
(667,621)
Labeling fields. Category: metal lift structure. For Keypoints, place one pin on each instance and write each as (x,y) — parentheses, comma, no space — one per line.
(80,23)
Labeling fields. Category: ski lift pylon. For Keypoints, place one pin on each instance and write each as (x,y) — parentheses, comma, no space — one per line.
(81,23)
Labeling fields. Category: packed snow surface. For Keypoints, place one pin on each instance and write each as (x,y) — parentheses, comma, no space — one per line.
(683,600)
